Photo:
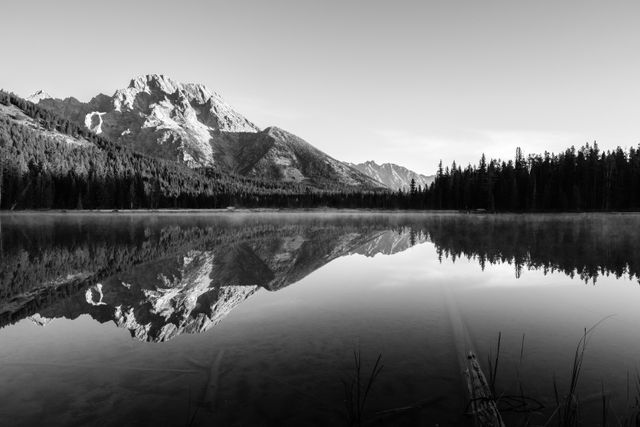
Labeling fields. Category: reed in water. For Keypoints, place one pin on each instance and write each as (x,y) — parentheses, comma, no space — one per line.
(567,408)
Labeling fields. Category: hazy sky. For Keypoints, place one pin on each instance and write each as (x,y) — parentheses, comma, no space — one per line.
(410,82)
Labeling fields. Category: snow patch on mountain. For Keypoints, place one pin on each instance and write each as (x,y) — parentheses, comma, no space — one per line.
(93,122)
(94,295)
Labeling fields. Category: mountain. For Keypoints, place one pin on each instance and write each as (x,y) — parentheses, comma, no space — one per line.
(38,96)
(156,115)
(290,158)
(51,162)
(191,124)
(11,116)
(393,176)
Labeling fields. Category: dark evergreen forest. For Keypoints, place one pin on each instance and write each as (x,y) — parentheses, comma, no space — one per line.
(586,179)
(38,171)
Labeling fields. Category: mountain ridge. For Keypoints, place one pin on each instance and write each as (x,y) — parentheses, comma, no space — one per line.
(394,176)
(191,124)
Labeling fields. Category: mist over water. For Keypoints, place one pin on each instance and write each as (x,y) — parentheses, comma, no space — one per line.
(252,319)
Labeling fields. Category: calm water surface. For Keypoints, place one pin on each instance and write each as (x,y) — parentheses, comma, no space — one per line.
(252,319)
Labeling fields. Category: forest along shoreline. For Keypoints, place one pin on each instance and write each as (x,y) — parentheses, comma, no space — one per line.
(305,210)
(51,162)
(227,211)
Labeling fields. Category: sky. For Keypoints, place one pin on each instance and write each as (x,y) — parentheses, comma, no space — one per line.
(408,82)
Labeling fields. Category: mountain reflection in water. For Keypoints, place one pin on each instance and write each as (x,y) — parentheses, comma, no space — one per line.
(166,278)
(162,276)
(291,297)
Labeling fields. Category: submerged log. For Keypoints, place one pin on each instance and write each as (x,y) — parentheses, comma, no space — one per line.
(482,404)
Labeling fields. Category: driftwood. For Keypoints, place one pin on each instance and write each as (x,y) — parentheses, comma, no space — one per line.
(482,405)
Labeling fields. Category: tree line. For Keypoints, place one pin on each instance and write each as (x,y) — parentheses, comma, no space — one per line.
(584,179)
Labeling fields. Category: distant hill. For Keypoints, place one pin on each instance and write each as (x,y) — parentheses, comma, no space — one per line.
(394,176)
(191,124)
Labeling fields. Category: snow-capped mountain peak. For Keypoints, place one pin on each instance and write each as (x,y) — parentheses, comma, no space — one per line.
(158,116)
(187,103)
(38,96)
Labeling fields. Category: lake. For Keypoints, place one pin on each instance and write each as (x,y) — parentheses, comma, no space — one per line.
(241,319)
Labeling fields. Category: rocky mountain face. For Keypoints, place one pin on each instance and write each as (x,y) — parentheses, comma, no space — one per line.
(190,123)
(393,176)
(158,116)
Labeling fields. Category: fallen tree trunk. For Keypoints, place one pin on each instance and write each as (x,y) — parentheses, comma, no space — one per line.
(482,404)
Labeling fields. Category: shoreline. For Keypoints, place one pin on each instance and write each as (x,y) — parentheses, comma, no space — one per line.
(287,211)
(218,211)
